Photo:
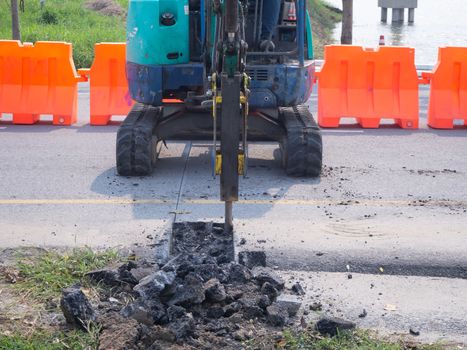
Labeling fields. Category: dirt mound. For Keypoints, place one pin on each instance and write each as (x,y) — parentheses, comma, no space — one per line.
(105,7)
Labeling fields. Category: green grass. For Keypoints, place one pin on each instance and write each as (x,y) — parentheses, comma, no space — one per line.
(45,276)
(324,13)
(78,340)
(65,20)
(324,19)
(41,279)
(358,340)
(73,340)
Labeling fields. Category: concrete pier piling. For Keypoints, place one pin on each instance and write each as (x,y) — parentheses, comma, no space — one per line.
(411,15)
(398,9)
(397,15)
(384,14)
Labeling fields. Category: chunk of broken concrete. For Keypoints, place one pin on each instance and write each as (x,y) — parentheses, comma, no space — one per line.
(191,291)
(141,272)
(115,276)
(238,273)
(152,285)
(290,302)
(263,301)
(269,290)
(182,327)
(125,275)
(175,312)
(232,308)
(139,312)
(147,312)
(252,259)
(107,276)
(333,325)
(207,271)
(234,293)
(250,308)
(215,312)
(414,331)
(278,316)
(76,307)
(265,274)
(298,289)
(214,291)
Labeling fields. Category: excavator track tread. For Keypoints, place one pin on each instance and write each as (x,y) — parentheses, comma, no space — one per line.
(136,150)
(302,148)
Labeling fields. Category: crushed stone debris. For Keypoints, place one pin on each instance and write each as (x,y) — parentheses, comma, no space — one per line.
(197,297)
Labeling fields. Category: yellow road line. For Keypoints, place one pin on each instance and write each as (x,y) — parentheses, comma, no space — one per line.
(296,202)
(115,201)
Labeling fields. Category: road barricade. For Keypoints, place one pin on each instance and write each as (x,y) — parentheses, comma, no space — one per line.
(108,83)
(38,79)
(368,85)
(448,88)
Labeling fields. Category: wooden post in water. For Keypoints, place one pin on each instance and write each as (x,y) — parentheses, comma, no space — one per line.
(16,34)
(347,22)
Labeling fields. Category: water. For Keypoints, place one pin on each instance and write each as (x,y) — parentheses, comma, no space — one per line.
(437,23)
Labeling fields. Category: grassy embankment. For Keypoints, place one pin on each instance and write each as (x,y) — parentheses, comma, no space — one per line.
(30,292)
(323,19)
(71,21)
(65,20)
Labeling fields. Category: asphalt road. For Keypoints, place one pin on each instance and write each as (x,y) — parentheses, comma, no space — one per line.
(389,202)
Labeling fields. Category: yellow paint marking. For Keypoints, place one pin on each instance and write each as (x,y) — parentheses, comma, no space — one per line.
(115,201)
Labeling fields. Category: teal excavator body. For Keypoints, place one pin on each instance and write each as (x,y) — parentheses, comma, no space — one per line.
(153,39)
(167,52)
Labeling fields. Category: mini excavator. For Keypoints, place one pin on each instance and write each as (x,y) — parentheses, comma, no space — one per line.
(198,70)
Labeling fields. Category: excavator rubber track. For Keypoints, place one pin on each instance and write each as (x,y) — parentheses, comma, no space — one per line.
(302,147)
(301,144)
(136,144)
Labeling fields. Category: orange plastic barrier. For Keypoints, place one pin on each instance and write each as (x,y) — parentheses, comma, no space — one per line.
(448,91)
(108,84)
(368,85)
(38,79)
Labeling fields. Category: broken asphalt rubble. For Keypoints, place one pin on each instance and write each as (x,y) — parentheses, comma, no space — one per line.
(197,296)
